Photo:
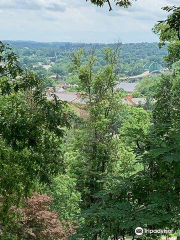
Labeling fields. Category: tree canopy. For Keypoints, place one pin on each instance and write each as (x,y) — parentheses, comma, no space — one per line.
(31,132)
(120,3)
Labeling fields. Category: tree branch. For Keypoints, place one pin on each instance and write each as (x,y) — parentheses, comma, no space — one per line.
(138,145)
(110,8)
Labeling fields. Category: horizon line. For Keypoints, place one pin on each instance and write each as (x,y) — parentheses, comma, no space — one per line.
(74,42)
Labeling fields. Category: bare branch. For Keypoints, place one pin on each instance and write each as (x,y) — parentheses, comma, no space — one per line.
(110,8)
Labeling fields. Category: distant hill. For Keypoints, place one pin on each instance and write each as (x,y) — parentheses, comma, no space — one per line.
(21,43)
(132,57)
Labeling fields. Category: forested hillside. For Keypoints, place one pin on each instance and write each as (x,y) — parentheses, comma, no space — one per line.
(48,59)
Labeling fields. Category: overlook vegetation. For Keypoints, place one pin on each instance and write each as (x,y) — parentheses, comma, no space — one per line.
(95,177)
(56,57)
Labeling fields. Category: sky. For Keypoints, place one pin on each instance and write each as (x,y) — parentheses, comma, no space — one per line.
(80,21)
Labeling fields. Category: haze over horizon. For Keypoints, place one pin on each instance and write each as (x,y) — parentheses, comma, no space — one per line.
(80,21)
(78,43)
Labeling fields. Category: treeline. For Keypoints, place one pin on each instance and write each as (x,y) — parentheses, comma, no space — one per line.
(132,57)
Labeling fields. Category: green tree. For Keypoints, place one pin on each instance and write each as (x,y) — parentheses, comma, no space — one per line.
(95,140)
(9,66)
(31,132)
(168,31)
(150,197)
(66,199)
(146,87)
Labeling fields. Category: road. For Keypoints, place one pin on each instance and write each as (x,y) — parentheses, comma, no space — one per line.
(144,74)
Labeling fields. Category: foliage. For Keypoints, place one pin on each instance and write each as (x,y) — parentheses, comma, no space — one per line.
(150,197)
(146,87)
(135,126)
(66,199)
(35,221)
(168,31)
(49,82)
(121,3)
(121,164)
(9,66)
(132,58)
(95,142)
(31,132)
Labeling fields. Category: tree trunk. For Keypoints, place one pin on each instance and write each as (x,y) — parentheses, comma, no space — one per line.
(95,237)
(178,237)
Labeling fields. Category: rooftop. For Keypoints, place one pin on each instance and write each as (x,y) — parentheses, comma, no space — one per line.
(128,87)
(66,96)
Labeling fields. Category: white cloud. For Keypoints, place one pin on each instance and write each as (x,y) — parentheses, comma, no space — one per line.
(52,5)
(78,20)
